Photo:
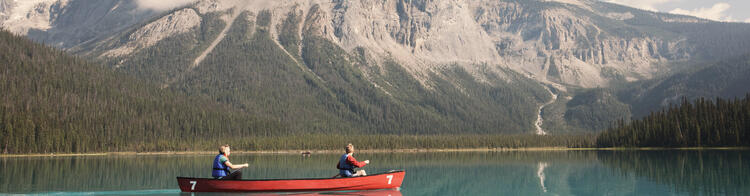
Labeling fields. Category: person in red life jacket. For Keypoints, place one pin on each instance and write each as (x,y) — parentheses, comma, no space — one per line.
(347,163)
(222,166)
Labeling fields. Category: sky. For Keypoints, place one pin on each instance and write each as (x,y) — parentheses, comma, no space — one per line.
(719,10)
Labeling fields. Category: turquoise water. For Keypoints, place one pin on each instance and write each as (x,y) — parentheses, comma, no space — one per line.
(706,172)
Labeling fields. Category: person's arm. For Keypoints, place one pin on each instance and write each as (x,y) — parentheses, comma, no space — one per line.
(353,161)
(239,166)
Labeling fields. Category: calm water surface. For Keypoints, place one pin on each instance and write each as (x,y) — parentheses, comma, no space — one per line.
(706,172)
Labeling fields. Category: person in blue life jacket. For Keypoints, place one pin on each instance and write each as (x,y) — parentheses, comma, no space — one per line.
(347,163)
(222,165)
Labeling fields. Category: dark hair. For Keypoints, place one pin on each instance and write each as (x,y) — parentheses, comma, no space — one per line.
(221,148)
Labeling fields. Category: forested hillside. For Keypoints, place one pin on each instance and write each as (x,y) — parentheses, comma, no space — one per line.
(53,102)
(269,74)
(702,123)
(314,86)
(727,78)
(407,67)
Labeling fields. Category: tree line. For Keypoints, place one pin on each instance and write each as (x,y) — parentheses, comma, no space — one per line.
(53,102)
(700,123)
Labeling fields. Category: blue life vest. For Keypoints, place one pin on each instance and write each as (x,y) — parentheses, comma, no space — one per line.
(345,169)
(220,169)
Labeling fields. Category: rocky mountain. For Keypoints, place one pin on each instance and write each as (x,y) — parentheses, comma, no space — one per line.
(67,23)
(478,66)
(726,78)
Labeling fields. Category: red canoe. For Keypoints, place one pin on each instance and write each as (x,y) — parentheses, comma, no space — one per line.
(389,180)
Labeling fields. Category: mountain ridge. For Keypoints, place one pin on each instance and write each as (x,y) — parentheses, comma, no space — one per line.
(573,37)
(446,63)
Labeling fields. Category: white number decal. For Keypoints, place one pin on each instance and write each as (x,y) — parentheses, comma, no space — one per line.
(192,188)
(390,178)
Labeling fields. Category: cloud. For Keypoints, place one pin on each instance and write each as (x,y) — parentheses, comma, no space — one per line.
(161,4)
(642,4)
(716,12)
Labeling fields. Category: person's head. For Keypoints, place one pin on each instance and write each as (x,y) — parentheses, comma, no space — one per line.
(224,149)
(349,148)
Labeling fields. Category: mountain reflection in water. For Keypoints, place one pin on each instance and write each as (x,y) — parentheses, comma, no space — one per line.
(673,172)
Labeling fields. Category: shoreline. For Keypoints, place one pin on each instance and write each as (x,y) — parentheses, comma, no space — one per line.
(532,149)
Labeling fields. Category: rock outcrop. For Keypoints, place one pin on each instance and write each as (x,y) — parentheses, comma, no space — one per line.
(175,23)
(68,23)
(581,43)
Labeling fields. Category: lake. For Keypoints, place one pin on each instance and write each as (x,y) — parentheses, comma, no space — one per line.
(656,172)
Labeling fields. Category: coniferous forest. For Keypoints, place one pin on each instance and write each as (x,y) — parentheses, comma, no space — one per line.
(700,123)
(54,102)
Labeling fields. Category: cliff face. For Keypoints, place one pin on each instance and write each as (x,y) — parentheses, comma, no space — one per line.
(175,23)
(564,42)
(4,7)
(67,23)
(573,42)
